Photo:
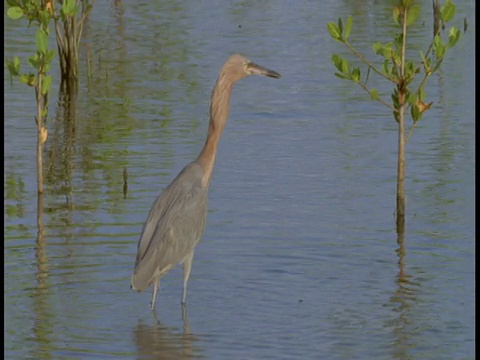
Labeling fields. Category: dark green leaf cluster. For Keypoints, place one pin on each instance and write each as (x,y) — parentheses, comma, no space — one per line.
(69,9)
(395,66)
(39,13)
(33,10)
(344,69)
(14,66)
(337,32)
(36,13)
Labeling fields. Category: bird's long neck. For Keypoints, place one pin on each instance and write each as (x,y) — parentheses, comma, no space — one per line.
(219,107)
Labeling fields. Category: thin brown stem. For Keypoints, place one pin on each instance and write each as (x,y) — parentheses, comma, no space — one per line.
(41,106)
(404,43)
(361,57)
(422,82)
(410,132)
(401,137)
(364,86)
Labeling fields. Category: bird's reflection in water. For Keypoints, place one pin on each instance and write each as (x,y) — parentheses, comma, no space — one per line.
(158,341)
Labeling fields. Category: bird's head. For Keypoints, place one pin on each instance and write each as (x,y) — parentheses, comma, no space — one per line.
(238,66)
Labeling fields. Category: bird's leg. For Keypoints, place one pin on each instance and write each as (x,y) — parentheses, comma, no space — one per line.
(156,284)
(186,325)
(187,266)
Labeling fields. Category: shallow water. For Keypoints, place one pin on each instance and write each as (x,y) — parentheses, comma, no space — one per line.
(299,258)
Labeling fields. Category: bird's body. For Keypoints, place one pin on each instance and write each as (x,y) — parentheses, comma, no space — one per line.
(177,218)
(178,213)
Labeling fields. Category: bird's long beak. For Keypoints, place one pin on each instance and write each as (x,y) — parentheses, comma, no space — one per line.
(256,69)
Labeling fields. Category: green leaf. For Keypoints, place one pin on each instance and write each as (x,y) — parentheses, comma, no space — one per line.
(406,3)
(15,12)
(24,78)
(396,116)
(69,8)
(394,74)
(16,63)
(398,41)
(11,68)
(348,27)
(422,56)
(412,98)
(415,112)
(34,60)
(439,47)
(409,72)
(409,66)
(334,32)
(421,93)
(49,56)
(386,50)
(448,11)
(377,47)
(341,76)
(341,64)
(385,68)
(397,59)
(374,94)
(28,79)
(14,66)
(428,63)
(47,81)
(413,14)
(453,37)
(42,41)
(337,61)
(44,17)
(440,51)
(396,15)
(340,26)
(345,66)
(355,75)
(395,100)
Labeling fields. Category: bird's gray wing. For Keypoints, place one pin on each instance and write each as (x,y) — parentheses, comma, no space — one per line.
(175,222)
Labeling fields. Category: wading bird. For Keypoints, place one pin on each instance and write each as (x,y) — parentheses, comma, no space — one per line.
(177,218)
